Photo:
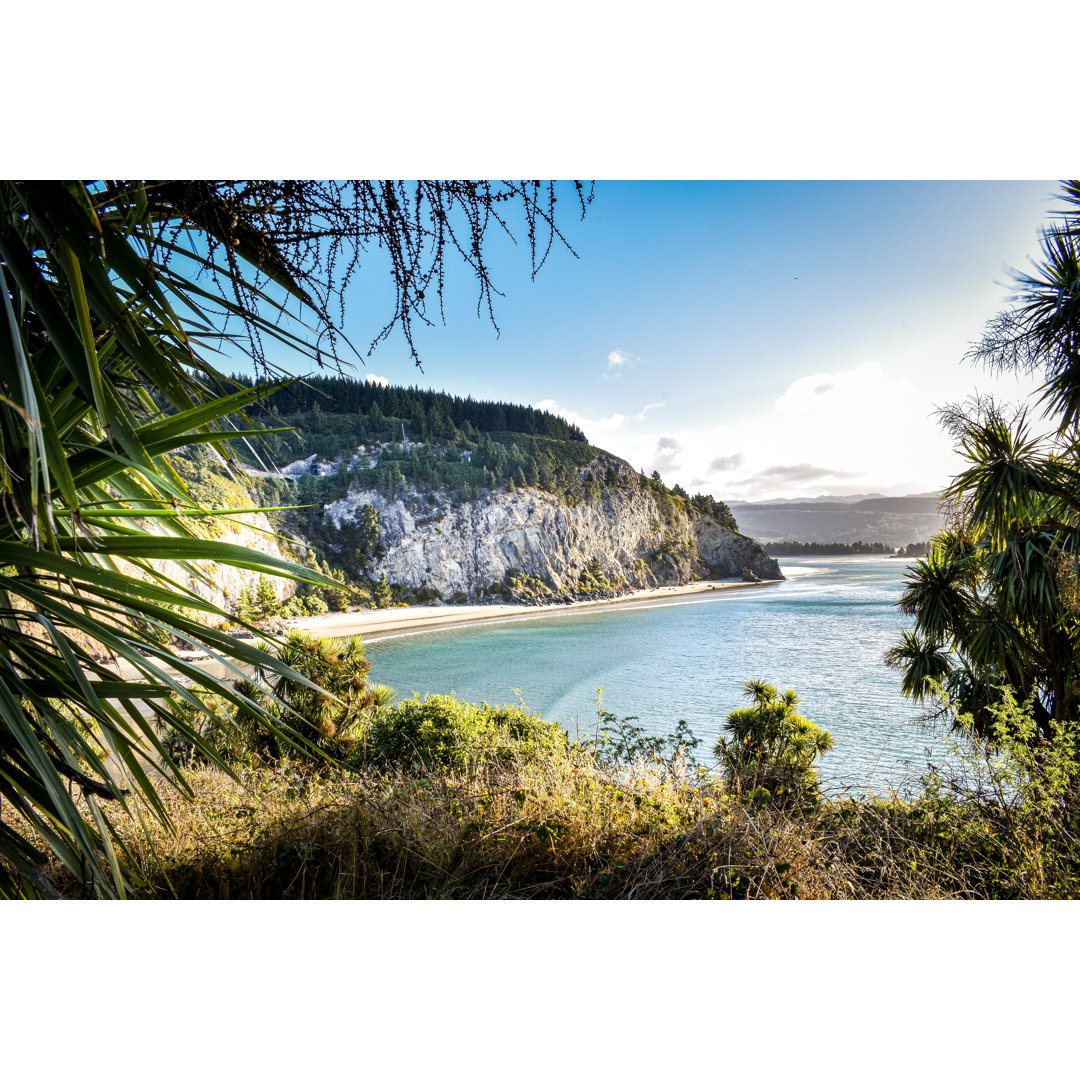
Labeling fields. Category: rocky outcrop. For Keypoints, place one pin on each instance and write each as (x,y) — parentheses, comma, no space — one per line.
(726,554)
(622,538)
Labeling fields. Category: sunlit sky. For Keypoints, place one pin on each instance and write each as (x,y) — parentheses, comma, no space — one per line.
(749,340)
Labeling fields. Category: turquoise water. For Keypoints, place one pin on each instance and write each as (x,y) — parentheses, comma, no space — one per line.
(823,633)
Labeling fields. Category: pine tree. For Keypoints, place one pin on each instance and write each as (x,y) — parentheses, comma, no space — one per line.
(245,604)
(265,604)
(381,593)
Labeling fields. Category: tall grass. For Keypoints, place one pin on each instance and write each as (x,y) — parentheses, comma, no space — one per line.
(566,828)
(445,800)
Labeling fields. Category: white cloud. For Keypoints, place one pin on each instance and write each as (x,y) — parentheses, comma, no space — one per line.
(832,432)
(377,380)
(867,427)
(843,391)
(596,428)
(618,359)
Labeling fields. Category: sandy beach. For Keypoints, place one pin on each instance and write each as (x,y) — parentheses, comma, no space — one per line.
(372,625)
(390,622)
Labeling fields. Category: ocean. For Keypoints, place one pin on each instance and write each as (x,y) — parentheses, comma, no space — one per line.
(822,632)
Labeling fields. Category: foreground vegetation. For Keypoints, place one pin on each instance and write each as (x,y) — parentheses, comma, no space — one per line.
(114,293)
(440,799)
(114,298)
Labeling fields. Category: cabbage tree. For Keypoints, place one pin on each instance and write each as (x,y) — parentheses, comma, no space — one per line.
(768,745)
(996,601)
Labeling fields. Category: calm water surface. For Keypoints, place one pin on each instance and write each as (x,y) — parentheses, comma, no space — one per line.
(822,633)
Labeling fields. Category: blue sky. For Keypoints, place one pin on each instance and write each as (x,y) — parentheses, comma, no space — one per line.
(748,339)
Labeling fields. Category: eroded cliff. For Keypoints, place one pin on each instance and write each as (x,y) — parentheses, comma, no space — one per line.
(625,538)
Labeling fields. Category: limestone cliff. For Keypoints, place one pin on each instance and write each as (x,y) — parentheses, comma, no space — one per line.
(625,538)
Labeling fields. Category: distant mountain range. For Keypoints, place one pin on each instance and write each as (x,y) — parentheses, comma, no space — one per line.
(872,518)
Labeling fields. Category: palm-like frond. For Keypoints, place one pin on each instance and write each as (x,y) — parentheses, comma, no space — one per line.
(1009,477)
(759,691)
(938,592)
(922,664)
(1042,329)
(99,383)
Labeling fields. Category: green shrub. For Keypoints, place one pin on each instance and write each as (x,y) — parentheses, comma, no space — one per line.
(315,605)
(235,737)
(519,585)
(1005,808)
(618,743)
(327,717)
(292,608)
(339,669)
(442,732)
(770,749)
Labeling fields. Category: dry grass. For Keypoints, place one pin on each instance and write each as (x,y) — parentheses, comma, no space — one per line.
(554,829)
(561,826)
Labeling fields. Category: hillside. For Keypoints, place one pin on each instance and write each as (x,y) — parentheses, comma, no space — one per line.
(872,519)
(453,499)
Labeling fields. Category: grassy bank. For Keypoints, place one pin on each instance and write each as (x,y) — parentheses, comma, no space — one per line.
(442,800)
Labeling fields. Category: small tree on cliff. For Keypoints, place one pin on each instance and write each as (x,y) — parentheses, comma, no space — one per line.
(381,594)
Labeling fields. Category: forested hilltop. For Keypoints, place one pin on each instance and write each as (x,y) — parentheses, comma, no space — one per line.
(426,413)
(381,437)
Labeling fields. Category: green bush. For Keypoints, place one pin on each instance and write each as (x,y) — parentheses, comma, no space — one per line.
(619,743)
(315,605)
(1004,808)
(292,608)
(442,732)
(325,717)
(221,733)
(770,749)
(520,585)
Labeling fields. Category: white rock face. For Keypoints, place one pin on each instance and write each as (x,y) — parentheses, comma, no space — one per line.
(469,547)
